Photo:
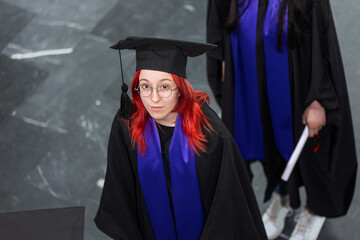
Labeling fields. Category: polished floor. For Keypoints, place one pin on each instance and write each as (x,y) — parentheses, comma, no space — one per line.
(60,88)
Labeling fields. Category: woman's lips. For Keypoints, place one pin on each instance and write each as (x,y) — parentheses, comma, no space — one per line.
(155,109)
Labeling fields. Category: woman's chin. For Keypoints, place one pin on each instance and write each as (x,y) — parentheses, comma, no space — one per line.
(156,116)
(164,119)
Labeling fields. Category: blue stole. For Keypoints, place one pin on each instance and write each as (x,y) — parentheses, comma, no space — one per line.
(248,129)
(187,205)
(277,79)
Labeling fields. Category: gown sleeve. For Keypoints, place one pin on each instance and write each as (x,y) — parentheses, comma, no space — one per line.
(117,214)
(327,72)
(234,213)
(330,173)
(214,35)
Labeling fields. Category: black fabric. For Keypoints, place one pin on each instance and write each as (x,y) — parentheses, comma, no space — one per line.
(230,207)
(165,135)
(164,55)
(45,224)
(316,73)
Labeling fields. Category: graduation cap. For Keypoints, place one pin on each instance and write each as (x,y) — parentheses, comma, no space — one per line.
(159,54)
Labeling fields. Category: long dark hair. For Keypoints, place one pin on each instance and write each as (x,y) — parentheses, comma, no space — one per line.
(298,11)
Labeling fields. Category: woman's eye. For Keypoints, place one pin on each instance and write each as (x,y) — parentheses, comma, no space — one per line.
(164,87)
(144,86)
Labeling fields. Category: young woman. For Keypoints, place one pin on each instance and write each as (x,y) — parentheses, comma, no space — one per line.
(277,68)
(174,171)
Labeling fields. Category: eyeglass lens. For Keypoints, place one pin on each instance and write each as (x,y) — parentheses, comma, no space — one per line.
(164,90)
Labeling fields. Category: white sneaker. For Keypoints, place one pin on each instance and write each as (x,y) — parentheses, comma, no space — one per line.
(308,226)
(274,217)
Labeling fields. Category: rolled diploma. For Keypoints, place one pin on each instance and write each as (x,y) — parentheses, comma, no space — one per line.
(295,155)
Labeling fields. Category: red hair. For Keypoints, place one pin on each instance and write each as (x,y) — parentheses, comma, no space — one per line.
(189,107)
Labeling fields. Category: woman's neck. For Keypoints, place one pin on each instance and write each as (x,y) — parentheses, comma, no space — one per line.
(169,120)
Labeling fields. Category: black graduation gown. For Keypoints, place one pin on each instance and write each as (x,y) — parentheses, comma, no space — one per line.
(229,205)
(316,73)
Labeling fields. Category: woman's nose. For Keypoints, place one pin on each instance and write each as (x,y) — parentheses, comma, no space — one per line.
(155,97)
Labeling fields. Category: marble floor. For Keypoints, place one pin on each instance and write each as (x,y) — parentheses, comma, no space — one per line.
(60,88)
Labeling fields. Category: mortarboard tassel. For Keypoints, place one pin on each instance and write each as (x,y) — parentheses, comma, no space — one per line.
(125,102)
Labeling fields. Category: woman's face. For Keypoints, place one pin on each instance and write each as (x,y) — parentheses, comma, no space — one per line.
(159,108)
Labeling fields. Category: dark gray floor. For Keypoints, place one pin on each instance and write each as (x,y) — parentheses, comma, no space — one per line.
(56,107)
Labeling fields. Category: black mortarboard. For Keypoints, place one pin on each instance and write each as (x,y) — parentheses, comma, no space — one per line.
(159,54)
(163,54)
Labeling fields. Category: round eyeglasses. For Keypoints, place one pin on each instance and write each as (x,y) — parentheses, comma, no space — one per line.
(164,91)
